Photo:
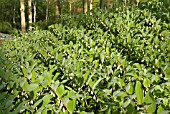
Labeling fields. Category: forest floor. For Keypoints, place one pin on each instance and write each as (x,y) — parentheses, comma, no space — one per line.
(5,36)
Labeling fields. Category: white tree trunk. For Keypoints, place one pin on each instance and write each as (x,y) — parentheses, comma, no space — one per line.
(91,6)
(46,17)
(22,9)
(29,14)
(35,12)
(85,6)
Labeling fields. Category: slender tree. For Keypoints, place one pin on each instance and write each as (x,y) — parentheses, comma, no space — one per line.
(57,7)
(85,6)
(91,6)
(46,16)
(22,10)
(101,4)
(35,10)
(124,3)
(107,3)
(14,14)
(29,14)
(70,6)
(137,2)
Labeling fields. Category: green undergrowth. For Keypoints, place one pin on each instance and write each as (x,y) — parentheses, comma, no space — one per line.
(109,62)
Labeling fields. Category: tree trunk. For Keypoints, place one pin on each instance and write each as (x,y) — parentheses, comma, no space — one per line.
(85,6)
(91,6)
(137,2)
(70,6)
(107,3)
(124,3)
(29,14)
(35,13)
(46,17)
(14,14)
(22,9)
(57,8)
(101,4)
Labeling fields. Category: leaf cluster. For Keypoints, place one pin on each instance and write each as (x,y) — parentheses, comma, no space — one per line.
(109,62)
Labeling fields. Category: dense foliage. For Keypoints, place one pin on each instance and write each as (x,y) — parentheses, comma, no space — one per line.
(115,61)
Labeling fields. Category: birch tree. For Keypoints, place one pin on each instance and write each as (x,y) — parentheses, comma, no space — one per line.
(29,14)
(46,16)
(35,10)
(22,10)
(57,8)
(91,6)
(85,6)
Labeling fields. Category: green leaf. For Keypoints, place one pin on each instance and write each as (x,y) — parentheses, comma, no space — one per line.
(47,76)
(126,103)
(24,71)
(165,33)
(129,88)
(160,109)
(146,82)
(46,100)
(151,108)
(98,81)
(109,69)
(148,98)
(71,105)
(60,90)
(102,57)
(165,112)
(31,87)
(44,111)
(37,103)
(139,92)
(33,76)
(19,107)
(9,101)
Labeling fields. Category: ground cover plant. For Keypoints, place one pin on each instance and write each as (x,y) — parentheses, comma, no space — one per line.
(115,61)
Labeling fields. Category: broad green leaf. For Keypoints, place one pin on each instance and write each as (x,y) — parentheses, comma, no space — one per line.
(44,111)
(60,90)
(160,109)
(126,103)
(129,88)
(95,84)
(71,105)
(46,100)
(20,107)
(131,109)
(165,33)
(139,92)
(56,75)
(9,101)
(86,75)
(47,76)
(33,76)
(122,94)
(102,57)
(24,70)
(109,70)
(148,98)
(121,82)
(165,112)
(151,108)
(31,87)
(55,85)
(37,103)
(146,82)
